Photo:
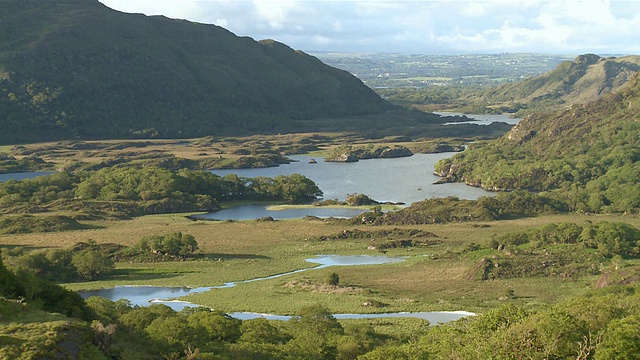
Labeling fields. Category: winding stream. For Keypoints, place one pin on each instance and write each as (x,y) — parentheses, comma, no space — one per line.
(145,295)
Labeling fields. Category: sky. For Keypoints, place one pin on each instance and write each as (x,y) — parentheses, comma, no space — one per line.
(450,27)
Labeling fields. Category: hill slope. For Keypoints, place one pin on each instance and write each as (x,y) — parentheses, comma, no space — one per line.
(590,152)
(77,69)
(579,81)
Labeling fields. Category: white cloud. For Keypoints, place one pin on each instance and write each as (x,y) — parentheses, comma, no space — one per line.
(418,26)
(474,9)
(275,13)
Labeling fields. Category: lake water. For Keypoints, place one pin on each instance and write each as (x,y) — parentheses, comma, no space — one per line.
(143,295)
(434,317)
(481,119)
(256,211)
(146,295)
(23,175)
(406,180)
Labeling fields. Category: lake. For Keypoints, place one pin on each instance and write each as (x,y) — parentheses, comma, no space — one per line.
(406,180)
(146,295)
(481,119)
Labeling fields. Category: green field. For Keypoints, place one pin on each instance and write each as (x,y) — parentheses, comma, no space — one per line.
(431,278)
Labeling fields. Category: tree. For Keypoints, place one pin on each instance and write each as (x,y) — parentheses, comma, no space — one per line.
(333,279)
(621,340)
(297,188)
(611,238)
(173,244)
(317,319)
(260,330)
(176,332)
(104,309)
(315,331)
(138,319)
(217,325)
(92,263)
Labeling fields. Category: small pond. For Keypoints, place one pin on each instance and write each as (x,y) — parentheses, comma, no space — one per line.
(352,260)
(23,175)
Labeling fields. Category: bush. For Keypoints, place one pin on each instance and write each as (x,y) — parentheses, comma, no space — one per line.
(333,279)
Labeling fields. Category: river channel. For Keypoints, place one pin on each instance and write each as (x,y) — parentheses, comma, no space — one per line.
(146,295)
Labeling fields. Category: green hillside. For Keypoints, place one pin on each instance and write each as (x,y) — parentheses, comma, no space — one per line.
(77,69)
(572,82)
(589,153)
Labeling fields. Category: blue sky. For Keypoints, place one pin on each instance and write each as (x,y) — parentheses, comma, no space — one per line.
(418,27)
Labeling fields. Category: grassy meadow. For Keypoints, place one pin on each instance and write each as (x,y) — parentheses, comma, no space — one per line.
(434,277)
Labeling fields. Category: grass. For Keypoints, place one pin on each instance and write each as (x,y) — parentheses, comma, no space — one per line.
(431,278)
(28,334)
(224,150)
(384,207)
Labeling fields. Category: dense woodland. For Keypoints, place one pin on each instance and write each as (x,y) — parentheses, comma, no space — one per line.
(587,155)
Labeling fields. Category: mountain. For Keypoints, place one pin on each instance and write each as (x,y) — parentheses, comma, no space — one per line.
(589,154)
(77,69)
(572,82)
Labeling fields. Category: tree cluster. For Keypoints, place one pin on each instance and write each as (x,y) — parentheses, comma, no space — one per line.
(505,205)
(201,333)
(176,246)
(150,190)
(602,325)
(348,153)
(91,261)
(608,238)
(84,261)
(25,285)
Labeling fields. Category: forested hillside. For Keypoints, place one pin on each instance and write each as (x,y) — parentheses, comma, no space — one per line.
(77,69)
(573,82)
(589,152)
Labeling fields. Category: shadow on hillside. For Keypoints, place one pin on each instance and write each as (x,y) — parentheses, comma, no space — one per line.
(15,250)
(140,274)
(220,257)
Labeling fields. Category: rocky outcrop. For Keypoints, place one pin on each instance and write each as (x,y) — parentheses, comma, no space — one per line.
(351,154)
(395,152)
(343,157)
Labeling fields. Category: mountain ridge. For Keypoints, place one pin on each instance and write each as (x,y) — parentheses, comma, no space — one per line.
(77,69)
(579,81)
